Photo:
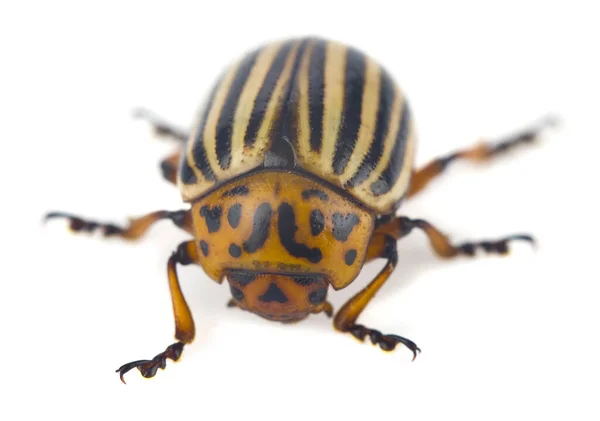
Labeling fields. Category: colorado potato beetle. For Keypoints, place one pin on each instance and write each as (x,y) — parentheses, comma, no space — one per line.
(293,174)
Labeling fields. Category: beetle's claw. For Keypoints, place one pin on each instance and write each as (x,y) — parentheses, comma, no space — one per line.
(148,368)
(385,342)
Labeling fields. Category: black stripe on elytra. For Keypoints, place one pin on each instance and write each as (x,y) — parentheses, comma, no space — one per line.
(273,294)
(351,114)
(204,247)
(198,151)
(260,228)
(212,216)
(186,173)
(390,175)
(384,110)
(234,214)
(264,94)
(225,122)
(307,194)
(343,225)
(286,226)
(316,93)
(317,222)
(237,191)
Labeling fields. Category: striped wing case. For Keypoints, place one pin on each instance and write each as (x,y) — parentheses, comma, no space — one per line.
(312,105)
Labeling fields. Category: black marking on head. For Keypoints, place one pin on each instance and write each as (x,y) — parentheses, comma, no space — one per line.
(236,293)
(307,194)
(350,257)
(262,99)
(316,93)
(186,174)
(390,175)
(318,296)
(273,294)
(204,247)
(212,216)
(234,214)
(242,278)
(237,191)
(351,114)
(343,225)
(235,250)
(304,280)
(224,128)
(384,110)
(317,222)
(260,228)
(286,226)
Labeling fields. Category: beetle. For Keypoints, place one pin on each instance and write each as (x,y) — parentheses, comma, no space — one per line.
(293,174)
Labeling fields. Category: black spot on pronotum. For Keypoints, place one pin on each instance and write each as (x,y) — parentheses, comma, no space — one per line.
(343,225)
(234,214)
(318,296)
(317,222)
(235,250)
(286,226)
(307,194)
(212,216)
(273,294)
(350,257)
(237,191)
(204,247)
(236,293)
(242,278)
(260,228)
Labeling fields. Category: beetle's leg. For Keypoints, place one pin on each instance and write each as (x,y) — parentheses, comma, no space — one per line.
(161,127)
(136,228)
(345,319)
(324,307)
(441,245)
(168,167)
(478,153)
(185,254)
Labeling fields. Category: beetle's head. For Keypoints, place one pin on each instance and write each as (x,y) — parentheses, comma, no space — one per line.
(284,298)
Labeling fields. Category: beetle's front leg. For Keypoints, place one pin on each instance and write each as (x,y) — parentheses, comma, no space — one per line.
(440,243)
(345,319)
(137,226)
(185,254)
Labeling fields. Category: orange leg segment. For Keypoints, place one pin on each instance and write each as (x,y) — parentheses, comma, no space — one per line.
(345,319)
(479,153)
(185,254)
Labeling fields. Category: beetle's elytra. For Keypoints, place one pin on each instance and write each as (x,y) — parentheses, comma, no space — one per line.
(294,171)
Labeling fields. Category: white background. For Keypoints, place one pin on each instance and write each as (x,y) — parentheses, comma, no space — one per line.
(502,338)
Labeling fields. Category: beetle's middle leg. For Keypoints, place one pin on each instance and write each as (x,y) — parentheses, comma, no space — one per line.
(185,254)
(402,226)
(136,228)
(479,153)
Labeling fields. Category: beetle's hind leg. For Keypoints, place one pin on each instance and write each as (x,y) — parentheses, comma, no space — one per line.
(136,228)
(345,319)
(185,254)
(479,153)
